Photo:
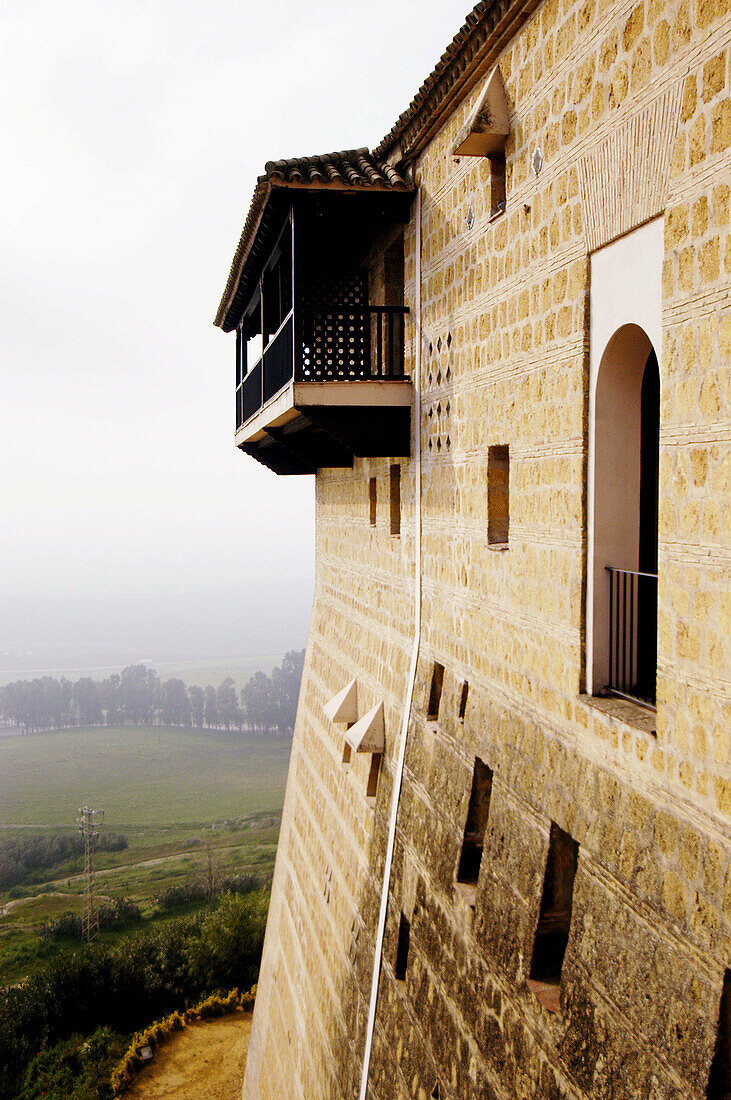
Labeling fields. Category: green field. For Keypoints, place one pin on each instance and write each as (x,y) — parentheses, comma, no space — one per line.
(140,776)
(181,797)
(201,673)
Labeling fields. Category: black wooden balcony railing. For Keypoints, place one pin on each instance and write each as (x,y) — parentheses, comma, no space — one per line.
(334,344)
(269,375)
(632,634)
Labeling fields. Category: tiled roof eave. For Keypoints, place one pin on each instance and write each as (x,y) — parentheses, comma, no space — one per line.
(248,235)
(475,48)
(351,172)
(345,188)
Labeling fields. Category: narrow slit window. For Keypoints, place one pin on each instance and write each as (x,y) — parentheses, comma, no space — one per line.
(395,499)
(436,1092)
(463,700)
(498,495)
(497,185)
(719,1080)
(435,691)
(347,750)
(373,774)
(554,921)
(474,830)
(372,500)
(402,949)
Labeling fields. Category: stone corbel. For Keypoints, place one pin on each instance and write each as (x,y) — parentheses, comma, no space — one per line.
(367,735)
(343,707)
(486,130)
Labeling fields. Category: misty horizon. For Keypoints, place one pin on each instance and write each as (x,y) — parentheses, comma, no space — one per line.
(131,165)
(57,634)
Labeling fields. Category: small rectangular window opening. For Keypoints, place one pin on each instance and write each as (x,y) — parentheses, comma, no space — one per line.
(497,185)
(372,499)
(463,700)
(395,480)
(719,1079)
(373,774)
(347,751)
(554,921)
(498,495)
(402,949)
(435,691)
(474,830)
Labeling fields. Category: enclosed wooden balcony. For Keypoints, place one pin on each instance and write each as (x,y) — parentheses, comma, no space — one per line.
(317,305)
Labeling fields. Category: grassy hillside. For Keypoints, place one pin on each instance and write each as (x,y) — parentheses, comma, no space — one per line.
(183,798)
(140,776)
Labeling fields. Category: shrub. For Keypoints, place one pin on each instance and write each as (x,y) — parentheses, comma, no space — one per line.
(180,893)
(68,926)
(183,893)
(75,1069)
(125,986)
(232,937)
(152,1036)
(23,858)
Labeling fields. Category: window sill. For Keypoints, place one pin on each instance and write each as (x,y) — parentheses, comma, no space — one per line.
(467,893)
(548,993)
(623,710)
(498,546)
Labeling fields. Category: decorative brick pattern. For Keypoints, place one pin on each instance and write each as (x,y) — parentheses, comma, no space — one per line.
(624,181)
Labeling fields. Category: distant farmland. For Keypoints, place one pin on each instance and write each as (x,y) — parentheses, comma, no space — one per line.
(201,673)
(140,776)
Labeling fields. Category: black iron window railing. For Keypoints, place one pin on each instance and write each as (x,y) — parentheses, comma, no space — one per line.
(333,344)
(632,634)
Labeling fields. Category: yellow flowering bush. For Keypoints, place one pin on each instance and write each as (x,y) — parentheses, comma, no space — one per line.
(158,1032)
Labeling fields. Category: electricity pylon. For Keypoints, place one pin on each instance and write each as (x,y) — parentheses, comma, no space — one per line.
(88,827)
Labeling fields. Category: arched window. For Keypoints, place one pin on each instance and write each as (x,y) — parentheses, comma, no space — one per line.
(625,517)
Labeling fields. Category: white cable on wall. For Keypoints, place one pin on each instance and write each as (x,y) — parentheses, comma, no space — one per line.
(398,777)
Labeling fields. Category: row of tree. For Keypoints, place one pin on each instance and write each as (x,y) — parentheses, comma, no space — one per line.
(137,697)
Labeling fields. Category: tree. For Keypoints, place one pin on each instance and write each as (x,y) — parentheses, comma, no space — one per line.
(227,703)
(270,702)
(139,694)
(258,701)
(210,711)
(287,680)
(87,699)
(197,699)
(110,699)
(175,706)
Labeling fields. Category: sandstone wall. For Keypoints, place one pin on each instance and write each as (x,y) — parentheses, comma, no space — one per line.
(647,797)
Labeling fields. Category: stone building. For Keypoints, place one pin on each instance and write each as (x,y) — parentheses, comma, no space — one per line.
(500,342)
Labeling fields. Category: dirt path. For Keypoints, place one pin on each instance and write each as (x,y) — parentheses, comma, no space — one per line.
(206,1061)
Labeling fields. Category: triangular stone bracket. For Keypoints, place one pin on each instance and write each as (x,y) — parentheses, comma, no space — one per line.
(488,125)
(343,707)
(367,735)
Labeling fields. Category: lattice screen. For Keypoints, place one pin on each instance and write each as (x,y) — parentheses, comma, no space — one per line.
(336,327)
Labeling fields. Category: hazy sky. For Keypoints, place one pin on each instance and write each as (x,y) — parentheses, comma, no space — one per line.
(131,136)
